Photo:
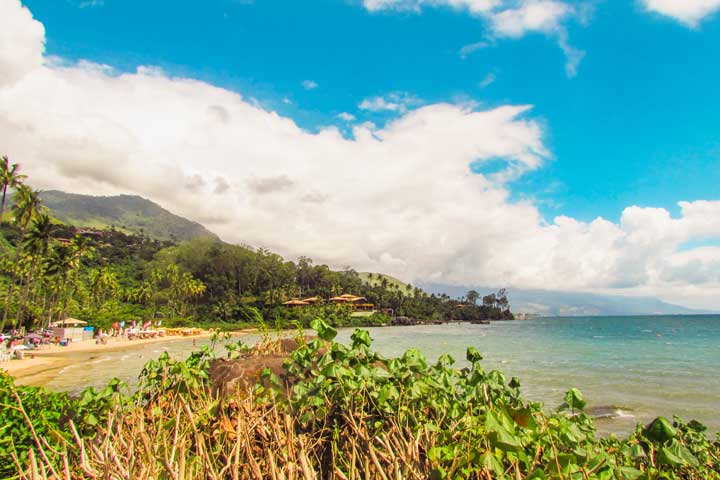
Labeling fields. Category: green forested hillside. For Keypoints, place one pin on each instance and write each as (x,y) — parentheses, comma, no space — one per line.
(128,213)
(381,279)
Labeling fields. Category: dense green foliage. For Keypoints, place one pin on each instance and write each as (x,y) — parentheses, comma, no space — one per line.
(129,213)
(359,411)
(45,418)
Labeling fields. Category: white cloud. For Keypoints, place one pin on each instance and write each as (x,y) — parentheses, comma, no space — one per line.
(689,12)
(348,117)
(473,6)
(399,199)
(23,42)
(309,85)
(91,3)
(544,16)
(392,102)
(510,19)
(466,50)
(488,80)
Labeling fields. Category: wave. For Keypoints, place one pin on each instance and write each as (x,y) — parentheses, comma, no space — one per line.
(608,412)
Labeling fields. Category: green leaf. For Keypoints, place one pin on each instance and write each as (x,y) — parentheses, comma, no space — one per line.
(361,337)
(324,330)
(636,451)
(660,430)
(574,399)
(629,473)
(489,460)
(473,355)
(676,454)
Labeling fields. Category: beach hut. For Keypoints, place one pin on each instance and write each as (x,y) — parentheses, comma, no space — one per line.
(72,329)
(68,322)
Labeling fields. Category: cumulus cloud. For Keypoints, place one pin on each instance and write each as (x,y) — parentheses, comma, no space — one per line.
(345,116)
(23,42)
(689,12)
(509,19)
(400,199)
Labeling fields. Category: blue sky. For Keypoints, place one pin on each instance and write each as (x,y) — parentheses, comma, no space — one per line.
(637,125)
(544,144)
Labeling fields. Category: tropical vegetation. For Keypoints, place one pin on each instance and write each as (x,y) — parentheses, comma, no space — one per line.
(335,411)
(50,270)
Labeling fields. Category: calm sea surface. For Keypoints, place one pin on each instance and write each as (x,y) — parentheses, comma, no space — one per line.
(632,368)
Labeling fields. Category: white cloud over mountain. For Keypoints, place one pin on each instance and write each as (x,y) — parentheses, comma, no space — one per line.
(689,12)
(400,199)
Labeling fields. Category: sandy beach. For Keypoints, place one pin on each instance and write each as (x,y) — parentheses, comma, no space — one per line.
(51,357)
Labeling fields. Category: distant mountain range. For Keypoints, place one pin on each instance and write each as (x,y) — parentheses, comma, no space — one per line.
(128,213)
(552,303)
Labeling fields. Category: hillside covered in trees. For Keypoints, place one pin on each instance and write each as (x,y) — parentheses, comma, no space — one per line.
(129,213)
(50,269)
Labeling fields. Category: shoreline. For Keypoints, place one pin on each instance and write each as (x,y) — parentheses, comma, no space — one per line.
(55,357)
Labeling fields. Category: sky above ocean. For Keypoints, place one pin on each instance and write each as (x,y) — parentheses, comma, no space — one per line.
(529,143)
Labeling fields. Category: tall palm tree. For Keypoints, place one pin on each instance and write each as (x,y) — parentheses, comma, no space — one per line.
(35,244)
(9,178)
(79,248)
(58,266)
(27,205)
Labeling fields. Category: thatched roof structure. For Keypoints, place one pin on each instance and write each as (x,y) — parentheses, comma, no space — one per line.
(68,322)
(295,302)
(347,298)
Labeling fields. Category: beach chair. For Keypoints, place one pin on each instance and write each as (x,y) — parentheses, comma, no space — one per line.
(4,356)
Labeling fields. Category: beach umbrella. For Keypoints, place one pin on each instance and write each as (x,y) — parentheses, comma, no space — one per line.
(33,336)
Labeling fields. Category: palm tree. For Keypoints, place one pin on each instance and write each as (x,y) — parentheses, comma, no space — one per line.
(35,244)
(103,286)
(472,296)
(59,265)
(79,248)
(9,178)
(27,205)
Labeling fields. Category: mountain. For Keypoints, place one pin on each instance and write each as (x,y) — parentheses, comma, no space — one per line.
(128,213)
(552,303)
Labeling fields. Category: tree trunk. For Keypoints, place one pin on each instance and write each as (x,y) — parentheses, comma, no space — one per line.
(2,205)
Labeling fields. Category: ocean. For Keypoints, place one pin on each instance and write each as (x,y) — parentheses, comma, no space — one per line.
(630,369)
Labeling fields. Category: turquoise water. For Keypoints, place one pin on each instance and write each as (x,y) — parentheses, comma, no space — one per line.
(632,368)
